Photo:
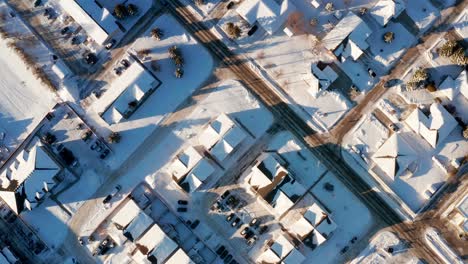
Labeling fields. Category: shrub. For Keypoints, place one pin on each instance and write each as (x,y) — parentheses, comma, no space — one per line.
(114,137)
(120,11)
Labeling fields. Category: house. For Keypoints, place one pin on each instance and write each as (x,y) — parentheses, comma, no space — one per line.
(321,76)
(179,257)
(301,228)
(315,214)
(461,25)
(384,10)
(326,227)
(154,245)
(348,38)
(26,178)
(228,143)
(267,13)
(60,69)
(126,214)
(452,88)
(394,156)
(126,93)
(97,21)
(137,226)
(197,176)
(184,162)
(435,127)
(281,247)
(215,130)
(295,256)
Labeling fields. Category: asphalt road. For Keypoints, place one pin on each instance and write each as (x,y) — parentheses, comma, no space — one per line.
(289,119)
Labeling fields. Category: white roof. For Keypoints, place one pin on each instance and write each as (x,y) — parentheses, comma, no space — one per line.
(152,237)
(61,69)
(301,227)
(203,170)
(326,76)
(385,10)
(215,130)
(96,21)
(139,225)
(326,227)
(461,24)
(352,50)
(394,156)
(126,214)
(180,257)
(235,136)
(435,128)
(292,188)
(164,248)
(351,25)
(281,247)
(140,258)
(184,162)
(317,238)
(258,179)
(268,256)
(221,150)
(131,85)
(451,88)
(463,207)
(295,257)
(281,202)
(314,214)
(269,15)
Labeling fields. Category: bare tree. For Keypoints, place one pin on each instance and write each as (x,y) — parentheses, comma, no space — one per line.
(157,33)
(330,7)
(232,30)
(388,37)
(114,137)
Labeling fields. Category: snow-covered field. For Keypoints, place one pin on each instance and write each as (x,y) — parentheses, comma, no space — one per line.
(170,94)
(25,101)
(377,251)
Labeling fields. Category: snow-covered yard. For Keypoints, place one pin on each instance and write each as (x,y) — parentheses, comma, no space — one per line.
(170,94)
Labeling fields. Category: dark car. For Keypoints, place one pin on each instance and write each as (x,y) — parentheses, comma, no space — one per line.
(235,222)
(229,217)
(104,154)
(224,254)
(263,229)
(182,209)
(195,224)
(252,240)
(249,234)
(228,258)
(112,194)
(125,63)
(75,40)
(182,202)
(110,44)
(90,58)
(391,83)
(64,30)
(225,194)
(230,5)
(252,30)
(37,3)
(343,250)
(220,250)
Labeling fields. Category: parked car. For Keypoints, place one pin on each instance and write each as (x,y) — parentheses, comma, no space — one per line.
(229,217)
(249,234)
(224,254)
(86,135)
(228,258)
(254,222)
(65,30)
(235,222)
(125,63)
(90,58)
(263,229)
(244,231)
(225,194)
(182,202)
(110,44)
(117,71)
(220,250)
(195,224)
(94,145)
(252,240)
(112,194)
(371,73)
(182,209)
(343,250)
(230,5)
(104,154)
(252,30)
(391,83)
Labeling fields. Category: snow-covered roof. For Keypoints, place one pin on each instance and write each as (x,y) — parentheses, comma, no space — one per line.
(163,248)
(130,86)
(317,238)
(230,140)
(96,21)
(351,25)
(179,257)
(463,207)
(281,202)
(384,10)
(294,257)
(292,188)
(451,88)
(138,226)
(27,177)
(215,130)
(266,171)
(269,15)
(184,162)
(326,227)
(461,24)
(199,174)
(281,247)
(301,227)
(314,214)
(152,237)
(126,214)
(61,69)
(268,256)
(394,156)
(434,128)
(351,50)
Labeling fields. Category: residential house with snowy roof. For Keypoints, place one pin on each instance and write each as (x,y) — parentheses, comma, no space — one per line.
(461,25)
(267,13)
(452,88)
(394,156)
(126,93)
(348,37)
(26,179)
(384,10)
(281,250)
(184,162)
(435,126)
(197,175)
(319,78)
(96,20)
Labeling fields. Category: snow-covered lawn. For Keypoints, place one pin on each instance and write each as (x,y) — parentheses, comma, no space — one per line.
(386,54)
(423,13)
(49,221)
(376,252)
(172,92)
(25,101)
(351,216)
